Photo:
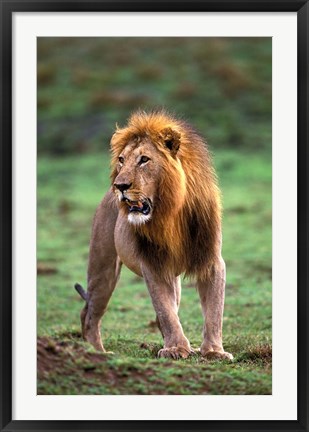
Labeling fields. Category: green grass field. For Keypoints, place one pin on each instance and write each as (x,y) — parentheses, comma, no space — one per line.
(86,85)
(69,189)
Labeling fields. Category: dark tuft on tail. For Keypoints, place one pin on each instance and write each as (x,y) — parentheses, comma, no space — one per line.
(81,291)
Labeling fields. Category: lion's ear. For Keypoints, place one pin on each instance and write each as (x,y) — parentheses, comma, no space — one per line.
(171,139)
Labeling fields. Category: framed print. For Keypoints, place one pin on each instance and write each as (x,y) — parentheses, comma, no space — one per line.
(190,119)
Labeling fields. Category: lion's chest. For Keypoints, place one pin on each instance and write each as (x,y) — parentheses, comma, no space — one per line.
(135,251)
(126,246)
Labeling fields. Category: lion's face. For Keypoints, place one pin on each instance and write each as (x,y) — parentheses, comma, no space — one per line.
(138,170)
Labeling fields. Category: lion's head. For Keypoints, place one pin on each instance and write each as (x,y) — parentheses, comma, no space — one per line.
(141,175)
(166,187)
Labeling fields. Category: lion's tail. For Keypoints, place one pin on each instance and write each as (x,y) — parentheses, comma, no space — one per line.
(81,291)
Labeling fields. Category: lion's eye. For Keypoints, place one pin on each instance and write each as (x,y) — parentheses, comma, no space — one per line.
(144,159)
(121,159)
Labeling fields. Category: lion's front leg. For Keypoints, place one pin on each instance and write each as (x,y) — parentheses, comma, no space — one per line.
(165,298)
(212,300)
(177,290)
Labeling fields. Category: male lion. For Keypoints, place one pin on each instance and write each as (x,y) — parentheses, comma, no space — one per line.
(161,218)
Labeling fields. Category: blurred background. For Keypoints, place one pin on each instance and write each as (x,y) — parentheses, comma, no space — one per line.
(86,85)
(222,86)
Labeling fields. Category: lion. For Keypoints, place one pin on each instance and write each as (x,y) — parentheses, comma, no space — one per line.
(161,218)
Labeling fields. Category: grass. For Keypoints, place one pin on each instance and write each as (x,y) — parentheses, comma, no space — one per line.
(69,188)
(86,85)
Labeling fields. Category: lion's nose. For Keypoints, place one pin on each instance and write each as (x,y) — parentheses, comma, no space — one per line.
(122,186)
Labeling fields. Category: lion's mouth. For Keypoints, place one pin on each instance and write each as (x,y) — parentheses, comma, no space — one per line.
(138,206)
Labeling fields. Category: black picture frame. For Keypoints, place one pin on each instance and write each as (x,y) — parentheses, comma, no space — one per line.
(7,9)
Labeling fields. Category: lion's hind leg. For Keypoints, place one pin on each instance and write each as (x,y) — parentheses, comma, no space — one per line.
(98,295)
(103,272)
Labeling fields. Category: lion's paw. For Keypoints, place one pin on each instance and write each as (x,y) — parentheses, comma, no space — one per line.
(216,355)
(175,353)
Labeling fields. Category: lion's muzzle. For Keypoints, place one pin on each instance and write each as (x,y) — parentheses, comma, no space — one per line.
(140,206)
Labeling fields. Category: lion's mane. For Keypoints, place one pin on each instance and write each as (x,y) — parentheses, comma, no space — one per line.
(185,229)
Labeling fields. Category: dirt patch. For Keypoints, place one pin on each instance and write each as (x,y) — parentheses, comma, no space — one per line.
(262,353)
(65,355)
(67,367)
(46,268)
(72,369)
(57,360)
(47,356)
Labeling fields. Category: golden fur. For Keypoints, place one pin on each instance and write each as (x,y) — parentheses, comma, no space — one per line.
(188,234)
